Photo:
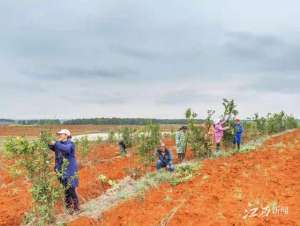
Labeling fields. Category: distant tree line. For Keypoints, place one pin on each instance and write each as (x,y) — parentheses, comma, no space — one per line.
(31,122)
(105,121)
(95,121)
(6,121)
(40,122)
(123,121)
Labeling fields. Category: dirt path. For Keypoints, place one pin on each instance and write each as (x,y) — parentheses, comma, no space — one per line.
(257,188)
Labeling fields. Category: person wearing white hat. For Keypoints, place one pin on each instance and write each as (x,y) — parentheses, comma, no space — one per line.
(219,129)
(64,132)
(64,149)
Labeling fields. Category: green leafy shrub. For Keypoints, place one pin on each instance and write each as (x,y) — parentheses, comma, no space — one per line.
(230,112)
(128,135)
(111,137)
(33,157)
(99,140)
(83,146)
(291,122)
(261,123)
(149,140)
(184,172)
(274,123)
(198,135)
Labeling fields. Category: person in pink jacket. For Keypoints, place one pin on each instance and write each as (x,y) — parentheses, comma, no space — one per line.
(219,129)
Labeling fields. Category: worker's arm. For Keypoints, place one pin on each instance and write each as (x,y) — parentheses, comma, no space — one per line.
(51,145)
(65,148)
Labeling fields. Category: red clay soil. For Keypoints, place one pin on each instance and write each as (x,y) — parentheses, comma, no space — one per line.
(226,192)
(15,198)
(110,165)
(105,160)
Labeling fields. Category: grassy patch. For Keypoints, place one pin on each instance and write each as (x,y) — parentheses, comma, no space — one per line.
(184,172)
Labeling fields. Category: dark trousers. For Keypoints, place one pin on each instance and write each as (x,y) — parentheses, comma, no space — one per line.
(237,142)
(181,156)
(71,198)
(218,146)
(170,167)
(123,150)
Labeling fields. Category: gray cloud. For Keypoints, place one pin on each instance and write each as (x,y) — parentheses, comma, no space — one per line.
(276,83)
(261,53)
(139,54)
(152,57)
(185,96)
(97,99)
(80,73)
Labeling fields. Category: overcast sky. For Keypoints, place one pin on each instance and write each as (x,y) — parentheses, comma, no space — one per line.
(146,58)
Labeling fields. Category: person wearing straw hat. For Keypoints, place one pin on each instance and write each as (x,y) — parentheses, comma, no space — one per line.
(66,168)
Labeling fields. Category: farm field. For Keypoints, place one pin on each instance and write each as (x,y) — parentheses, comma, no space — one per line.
(257,188)
(103,159)
(221,192)
(34,130)
(149,113)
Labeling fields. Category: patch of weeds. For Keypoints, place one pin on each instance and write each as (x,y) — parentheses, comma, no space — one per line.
(124,194)
(184,172)
(227,153)
(141,196)
(29,217)
(247,148)
(106,181)
(15,172)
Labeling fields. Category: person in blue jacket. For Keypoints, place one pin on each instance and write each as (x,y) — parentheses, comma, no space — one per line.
(65,160)
(238,133)
(165,158)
